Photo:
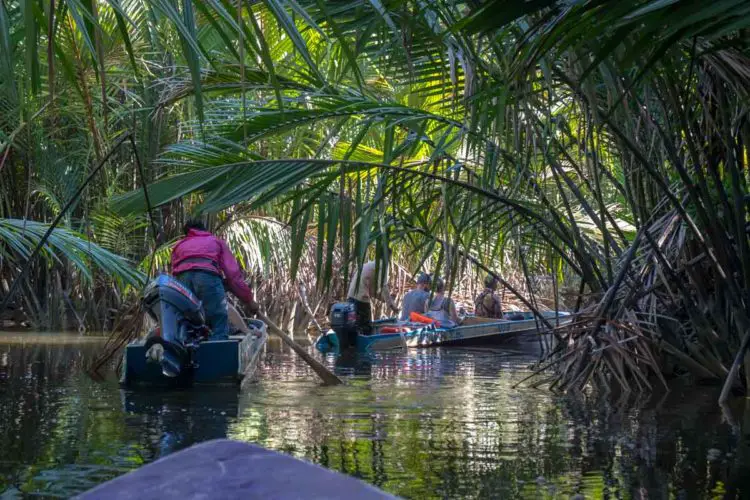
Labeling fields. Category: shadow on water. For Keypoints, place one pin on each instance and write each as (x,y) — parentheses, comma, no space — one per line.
(179,419)
(423,424)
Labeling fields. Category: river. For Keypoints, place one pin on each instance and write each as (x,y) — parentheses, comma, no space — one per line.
(437,423)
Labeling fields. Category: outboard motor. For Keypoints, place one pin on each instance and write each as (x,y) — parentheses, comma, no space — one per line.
(344,322)
(181,324)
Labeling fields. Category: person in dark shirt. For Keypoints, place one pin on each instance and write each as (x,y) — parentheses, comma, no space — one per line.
(417,299)
(487,304)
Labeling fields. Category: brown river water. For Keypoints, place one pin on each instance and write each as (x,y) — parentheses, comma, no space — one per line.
(435,423)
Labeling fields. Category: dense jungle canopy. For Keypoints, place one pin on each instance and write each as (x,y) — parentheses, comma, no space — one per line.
(602,143)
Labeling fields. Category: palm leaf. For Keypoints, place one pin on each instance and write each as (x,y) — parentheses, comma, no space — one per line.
(18,238)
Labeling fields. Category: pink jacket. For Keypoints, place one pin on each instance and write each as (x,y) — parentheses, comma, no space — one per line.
(201,250)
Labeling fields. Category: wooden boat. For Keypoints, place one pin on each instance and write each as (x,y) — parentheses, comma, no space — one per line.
(212,361)
(473,331)
(482,331)
(231,469)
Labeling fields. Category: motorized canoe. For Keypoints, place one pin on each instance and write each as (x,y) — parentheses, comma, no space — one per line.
(474,331)
(486,332)
(212,361)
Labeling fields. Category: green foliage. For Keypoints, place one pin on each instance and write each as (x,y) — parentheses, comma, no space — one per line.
(21,237)
(604,141)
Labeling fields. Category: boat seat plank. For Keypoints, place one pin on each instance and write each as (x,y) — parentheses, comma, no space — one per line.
(478,320)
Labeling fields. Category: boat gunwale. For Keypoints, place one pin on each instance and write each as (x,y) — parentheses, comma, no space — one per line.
(535,320)
(426,337)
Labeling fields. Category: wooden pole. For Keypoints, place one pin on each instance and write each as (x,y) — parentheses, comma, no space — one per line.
(328,377)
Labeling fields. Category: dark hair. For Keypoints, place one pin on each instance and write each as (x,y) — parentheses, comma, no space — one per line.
(491,282)
(193,224)
(439,285)
(424,279)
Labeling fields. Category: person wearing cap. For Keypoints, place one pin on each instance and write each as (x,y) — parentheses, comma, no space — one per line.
(487,304)
(417,299)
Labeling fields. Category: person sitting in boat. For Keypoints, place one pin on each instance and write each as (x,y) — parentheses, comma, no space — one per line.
(487,304)
(363,286)
(198,261)
(417,299)
(442,308)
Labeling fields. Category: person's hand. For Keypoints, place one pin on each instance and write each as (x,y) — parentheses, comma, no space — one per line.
(253,307)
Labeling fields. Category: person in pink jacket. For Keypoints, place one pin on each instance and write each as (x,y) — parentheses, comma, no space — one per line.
(203,262)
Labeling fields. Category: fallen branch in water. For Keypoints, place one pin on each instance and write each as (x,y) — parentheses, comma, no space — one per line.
(129,327)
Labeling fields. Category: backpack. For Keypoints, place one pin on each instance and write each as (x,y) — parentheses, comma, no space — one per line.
(481,308)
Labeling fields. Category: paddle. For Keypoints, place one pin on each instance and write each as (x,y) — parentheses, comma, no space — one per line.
(329,378)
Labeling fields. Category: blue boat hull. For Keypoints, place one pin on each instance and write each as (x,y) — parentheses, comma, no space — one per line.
(213,361)
(328,343)
(485,333)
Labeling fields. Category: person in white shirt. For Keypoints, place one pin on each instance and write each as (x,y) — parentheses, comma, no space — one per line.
(442,308)
(364,286)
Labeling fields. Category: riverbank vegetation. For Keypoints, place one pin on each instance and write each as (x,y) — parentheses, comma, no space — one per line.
(602,144)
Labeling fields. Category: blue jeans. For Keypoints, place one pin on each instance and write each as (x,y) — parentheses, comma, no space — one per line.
(209,288)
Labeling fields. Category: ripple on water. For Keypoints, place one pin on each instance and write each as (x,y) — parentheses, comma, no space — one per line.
(435,423)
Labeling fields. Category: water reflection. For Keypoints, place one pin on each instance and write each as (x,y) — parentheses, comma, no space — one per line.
(426,424)
(177,419)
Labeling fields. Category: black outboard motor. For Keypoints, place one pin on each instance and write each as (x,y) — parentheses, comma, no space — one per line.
(344,321)
(181,324)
